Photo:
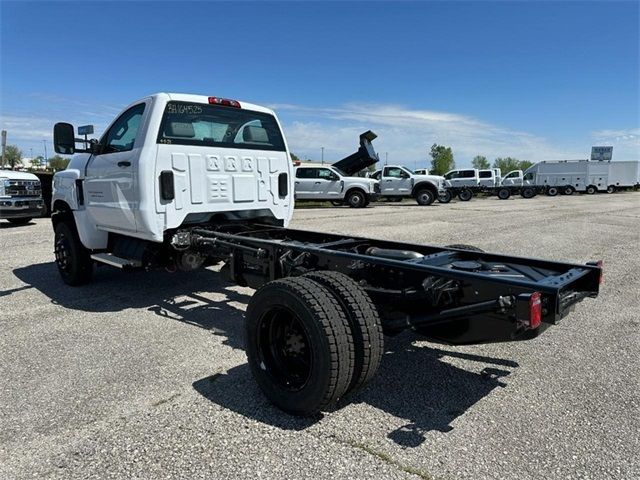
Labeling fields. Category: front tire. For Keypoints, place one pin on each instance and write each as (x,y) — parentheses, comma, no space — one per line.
(445,197)
(72,258)
(19,221)
(504,194)
(298,344)
(425,197)
(356,199)
(465,195)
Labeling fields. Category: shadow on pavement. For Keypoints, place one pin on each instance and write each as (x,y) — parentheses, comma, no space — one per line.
(414,382)
(177,296)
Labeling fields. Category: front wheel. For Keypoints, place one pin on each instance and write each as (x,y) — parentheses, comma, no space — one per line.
(445,197)
(425,197)
(73,260)
(465,195)
(19,221)
(504,193)
(298,345)
(356,199)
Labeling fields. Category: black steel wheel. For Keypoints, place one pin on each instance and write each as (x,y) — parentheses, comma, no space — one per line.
(73,260)
(504,193)
(568,190)
(299,345)
(465,195)
(591,189)
(445,197)
(528,192)
(364,321)
(356,199)
(611,189)
(425,197)
(552,191)
(19,221)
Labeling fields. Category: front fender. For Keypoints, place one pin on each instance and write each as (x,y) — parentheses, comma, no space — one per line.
(65,188)
(425,184)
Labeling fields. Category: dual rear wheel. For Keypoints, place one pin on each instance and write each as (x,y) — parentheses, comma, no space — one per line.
(311,340)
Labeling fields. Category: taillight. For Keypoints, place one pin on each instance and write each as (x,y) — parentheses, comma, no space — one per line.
(600,265)
(224,101)
(535,310)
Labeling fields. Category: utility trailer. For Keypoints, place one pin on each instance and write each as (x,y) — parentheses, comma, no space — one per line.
(184,181)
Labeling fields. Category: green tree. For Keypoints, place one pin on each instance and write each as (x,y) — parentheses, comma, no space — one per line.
(480,162)
(294,157)
(58,163)
(507,164)
(37,161)
(12,156)
(441,159)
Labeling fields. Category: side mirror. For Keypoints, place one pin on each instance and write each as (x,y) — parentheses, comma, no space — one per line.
(335,178)
(64,140)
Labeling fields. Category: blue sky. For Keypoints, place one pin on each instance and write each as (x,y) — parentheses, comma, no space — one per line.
(535,80)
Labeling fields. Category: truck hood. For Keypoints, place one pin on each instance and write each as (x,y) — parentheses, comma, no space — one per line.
(11,175)
(363,158)
(437,179)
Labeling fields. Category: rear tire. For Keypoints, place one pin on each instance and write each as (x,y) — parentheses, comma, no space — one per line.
(611,189)
(445,197)
(72,258)
(568,190)
(465,195)
(552,191)
(19,221)
(425,197)
(528,192)
(364,321)
(591,190)
(298,344)
(504,193)
(356,199)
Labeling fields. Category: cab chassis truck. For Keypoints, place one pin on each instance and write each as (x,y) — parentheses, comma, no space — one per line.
(315,326)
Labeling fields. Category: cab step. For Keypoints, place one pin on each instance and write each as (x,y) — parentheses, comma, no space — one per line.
(114,261)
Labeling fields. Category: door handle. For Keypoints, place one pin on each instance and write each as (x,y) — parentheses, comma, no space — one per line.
(124,164)
(318,183)
(297,183)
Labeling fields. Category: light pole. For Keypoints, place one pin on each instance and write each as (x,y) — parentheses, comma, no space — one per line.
(44,142)
(386,158)
(322,148)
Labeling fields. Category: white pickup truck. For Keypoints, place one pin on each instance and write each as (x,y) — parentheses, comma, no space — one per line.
(20,196)
(337,183)
(182,181)
(398,182)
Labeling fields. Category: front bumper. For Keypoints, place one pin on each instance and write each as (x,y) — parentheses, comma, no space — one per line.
(20,207)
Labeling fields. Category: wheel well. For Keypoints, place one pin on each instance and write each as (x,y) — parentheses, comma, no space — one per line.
(425,186)
(61,211)
(353,189)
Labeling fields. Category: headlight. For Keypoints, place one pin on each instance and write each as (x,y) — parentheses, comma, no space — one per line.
(3,183)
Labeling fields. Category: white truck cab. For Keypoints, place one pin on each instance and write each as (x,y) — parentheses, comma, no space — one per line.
(173,159)
(397,181)
(469,177)
(513,179)
(330,183)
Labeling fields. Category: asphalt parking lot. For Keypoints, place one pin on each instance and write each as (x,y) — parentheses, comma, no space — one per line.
(143,375)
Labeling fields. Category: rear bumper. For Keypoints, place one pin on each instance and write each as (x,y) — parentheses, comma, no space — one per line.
(20,207)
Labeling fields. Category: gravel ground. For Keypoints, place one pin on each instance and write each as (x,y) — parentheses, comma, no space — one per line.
(143,375)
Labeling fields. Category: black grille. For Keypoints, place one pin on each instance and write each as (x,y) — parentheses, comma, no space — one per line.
(23,188)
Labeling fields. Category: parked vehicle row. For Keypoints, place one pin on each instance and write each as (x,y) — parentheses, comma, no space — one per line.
(20,196)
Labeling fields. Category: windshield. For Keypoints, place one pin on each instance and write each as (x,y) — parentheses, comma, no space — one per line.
(185,123)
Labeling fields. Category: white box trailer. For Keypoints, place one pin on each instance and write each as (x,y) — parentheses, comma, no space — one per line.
(568,176)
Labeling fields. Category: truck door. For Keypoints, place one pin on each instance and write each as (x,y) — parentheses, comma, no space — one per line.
(306,179)
(328,185)
(395,181)
(110,184)
(513,179)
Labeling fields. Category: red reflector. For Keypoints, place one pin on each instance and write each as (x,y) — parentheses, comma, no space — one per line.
(224,101)
(535,310)
(600,264)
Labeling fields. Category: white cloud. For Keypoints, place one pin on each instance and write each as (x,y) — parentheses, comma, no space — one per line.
(625,142)
(407,134)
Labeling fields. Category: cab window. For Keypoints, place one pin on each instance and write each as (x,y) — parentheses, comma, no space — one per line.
(307,173)
(393,172)
(325,174)
(486,174)
(452,175)
(122,134)
(528,176)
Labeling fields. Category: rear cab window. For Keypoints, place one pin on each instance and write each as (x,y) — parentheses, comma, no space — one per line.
(486,174)
(186,123)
